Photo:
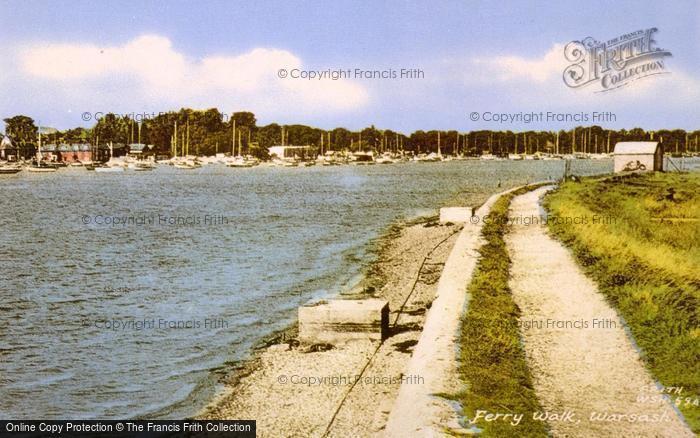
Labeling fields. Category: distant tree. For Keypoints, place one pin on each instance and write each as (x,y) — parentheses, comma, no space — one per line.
(637,134)
(259,151)
(76,135)
(160,130)
(112,128)
(371,137)
(340,139)
(418,142)
(269,135)
(244,119)
(302,135)
(21,129)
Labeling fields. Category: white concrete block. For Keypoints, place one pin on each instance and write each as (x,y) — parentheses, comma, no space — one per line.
(338,321)
(456,215)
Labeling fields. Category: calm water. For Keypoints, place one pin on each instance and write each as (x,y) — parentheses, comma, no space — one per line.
(250,245)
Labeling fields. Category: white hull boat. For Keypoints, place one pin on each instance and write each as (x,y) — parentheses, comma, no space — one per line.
(109,169)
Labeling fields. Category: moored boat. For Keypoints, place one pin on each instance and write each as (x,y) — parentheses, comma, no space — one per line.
(362,158)
(41,169)
(109,169)
(240,162)
(9,170)
(186,166)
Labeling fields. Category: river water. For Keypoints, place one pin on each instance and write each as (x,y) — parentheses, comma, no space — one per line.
(127,295)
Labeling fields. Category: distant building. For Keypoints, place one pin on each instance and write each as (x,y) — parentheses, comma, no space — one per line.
(49,152)
(644,156)
(7,149)
(67,153)
(76,152)
(282,152)
(138,149)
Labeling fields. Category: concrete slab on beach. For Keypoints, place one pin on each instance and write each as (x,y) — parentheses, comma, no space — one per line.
(338,321)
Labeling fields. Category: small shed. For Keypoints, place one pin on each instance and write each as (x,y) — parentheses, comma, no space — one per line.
(137,148)
(283,152)
(644,156)
(6,147)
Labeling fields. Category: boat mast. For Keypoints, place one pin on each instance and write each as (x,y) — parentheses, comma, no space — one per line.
(233,137)
(588,140)
(38,162)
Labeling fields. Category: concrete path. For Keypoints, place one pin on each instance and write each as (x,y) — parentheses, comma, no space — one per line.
(419,410)
(581,358)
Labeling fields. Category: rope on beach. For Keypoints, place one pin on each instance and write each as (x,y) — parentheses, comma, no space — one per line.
(345,397)
(369,361)
(415,283)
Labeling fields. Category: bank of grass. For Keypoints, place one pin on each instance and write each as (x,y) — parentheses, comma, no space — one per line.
(641,243)
(492,357)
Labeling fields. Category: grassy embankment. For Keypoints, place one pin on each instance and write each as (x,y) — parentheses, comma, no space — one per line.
(492,358)
(644,253)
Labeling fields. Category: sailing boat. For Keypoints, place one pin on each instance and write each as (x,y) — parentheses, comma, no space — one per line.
(240,160)
(234,160)
(109,168)
(39,168)
(182,162)
(423,158)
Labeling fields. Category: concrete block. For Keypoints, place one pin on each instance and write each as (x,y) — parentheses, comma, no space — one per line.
(338,321)
(456,215)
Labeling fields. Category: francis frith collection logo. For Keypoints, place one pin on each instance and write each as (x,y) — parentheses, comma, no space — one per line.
(614,63)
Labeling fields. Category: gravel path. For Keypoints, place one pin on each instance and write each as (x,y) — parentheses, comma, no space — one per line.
(580,355)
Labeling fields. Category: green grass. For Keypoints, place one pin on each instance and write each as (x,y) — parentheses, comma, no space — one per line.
(645,258)
(492,357)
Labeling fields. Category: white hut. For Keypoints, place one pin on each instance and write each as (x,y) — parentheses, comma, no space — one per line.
(645,156)
(6,147)
(283,152)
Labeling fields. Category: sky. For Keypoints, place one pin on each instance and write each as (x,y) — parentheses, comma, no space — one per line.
(64,63)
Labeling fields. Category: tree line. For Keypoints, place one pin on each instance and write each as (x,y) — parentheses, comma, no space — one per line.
(208,132)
